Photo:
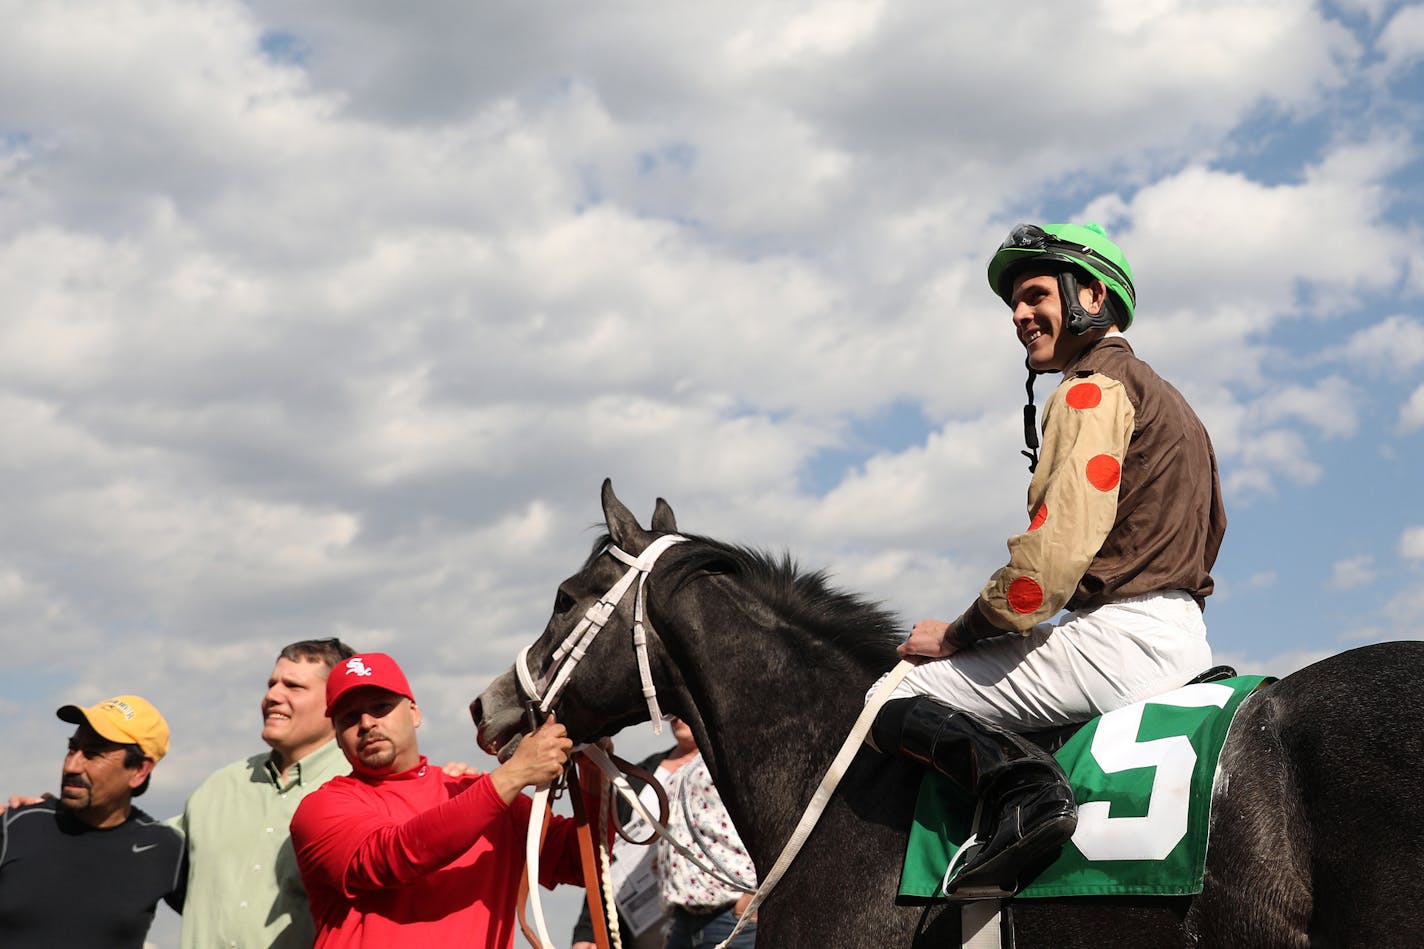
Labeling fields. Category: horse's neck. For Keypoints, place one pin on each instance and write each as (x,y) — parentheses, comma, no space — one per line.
(776,704)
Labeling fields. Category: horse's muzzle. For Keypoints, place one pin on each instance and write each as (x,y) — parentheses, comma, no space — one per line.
(498,718)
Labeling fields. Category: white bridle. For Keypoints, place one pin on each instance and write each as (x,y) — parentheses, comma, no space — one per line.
(566,657)
(547,689)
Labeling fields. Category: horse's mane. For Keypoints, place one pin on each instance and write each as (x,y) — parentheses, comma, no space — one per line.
(861,627)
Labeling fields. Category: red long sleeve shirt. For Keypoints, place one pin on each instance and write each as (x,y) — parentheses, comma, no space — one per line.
(420,859)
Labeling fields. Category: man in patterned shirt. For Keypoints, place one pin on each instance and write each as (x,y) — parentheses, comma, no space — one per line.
(1125,520)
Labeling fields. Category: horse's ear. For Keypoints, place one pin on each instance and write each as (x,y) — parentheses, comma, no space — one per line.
(623,527)
(664,521)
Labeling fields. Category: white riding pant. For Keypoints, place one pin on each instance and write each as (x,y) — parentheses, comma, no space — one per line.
(1074,668)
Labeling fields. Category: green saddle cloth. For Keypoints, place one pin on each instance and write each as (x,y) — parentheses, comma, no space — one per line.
(1143,778)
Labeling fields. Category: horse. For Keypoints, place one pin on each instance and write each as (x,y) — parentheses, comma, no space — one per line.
(1317,828)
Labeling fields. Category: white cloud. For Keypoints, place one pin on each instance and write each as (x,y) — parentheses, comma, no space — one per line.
(1402,40)
(1223,240)
(1363,634)
(1352,573)
(1263,580)
(1411,415)
(1327,405)
(1396,343)
(1411,543)
(1263,458)
(1279,665)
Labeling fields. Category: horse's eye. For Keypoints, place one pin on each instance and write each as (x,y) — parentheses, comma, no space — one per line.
(563,602)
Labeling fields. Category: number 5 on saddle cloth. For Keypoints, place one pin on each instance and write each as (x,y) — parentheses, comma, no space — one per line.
(1143,778)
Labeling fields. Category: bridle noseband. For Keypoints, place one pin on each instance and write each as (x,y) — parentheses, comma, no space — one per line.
(547,689)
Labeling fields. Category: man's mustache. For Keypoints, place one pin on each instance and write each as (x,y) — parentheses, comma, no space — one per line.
(75,781)
(370,737)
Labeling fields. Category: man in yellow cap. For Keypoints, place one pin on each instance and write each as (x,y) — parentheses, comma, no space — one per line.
(88,868)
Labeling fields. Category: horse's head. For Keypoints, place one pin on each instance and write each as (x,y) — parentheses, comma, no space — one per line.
(595,680)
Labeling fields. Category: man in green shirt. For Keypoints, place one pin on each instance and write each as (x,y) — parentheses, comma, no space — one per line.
(243,887)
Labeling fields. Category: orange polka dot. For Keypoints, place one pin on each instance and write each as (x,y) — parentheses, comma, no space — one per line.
(1085,395)
(1103,472)
(1025,595)
(1039,517)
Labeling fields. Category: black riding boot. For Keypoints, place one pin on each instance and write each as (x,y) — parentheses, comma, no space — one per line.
(1027,807)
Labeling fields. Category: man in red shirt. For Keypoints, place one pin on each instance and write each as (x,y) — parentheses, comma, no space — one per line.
(401,854)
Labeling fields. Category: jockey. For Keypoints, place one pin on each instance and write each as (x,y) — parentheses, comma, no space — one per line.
(1124,522)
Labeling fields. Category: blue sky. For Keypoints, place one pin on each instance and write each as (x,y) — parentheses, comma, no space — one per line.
(330,318)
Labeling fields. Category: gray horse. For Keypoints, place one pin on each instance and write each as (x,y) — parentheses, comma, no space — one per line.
(1317,838)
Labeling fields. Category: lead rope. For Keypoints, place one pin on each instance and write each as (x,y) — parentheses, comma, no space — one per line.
(529,884)
(610,898)
(588,857)
(823,794)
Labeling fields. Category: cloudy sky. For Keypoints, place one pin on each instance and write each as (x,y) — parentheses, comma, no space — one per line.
(329,318)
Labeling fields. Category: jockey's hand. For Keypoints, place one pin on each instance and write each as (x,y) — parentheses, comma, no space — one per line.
(539,759)
(927,641)
(583,945)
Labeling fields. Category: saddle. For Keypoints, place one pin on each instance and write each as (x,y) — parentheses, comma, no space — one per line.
(1052,739)
(1142,776)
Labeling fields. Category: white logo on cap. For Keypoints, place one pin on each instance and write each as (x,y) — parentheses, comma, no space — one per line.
(355,666)
(121,707)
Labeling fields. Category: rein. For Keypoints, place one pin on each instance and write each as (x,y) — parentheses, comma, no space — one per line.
(611,768)
(822,797)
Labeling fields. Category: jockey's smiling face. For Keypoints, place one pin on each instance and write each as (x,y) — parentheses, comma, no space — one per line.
(1039,323)
(375,728)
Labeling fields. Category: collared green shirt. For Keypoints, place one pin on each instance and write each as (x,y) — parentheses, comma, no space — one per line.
(244,889)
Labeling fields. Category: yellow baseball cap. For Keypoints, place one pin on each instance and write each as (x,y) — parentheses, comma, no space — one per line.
(124,719)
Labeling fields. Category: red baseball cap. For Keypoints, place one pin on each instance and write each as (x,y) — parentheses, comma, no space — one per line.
(375,669)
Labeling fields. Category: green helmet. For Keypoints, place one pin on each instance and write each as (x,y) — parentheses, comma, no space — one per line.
(1085,246)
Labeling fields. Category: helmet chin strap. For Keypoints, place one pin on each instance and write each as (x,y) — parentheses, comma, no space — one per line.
(1078,321)
(1030,416)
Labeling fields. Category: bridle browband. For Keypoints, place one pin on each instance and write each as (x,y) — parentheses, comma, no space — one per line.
(547,689)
